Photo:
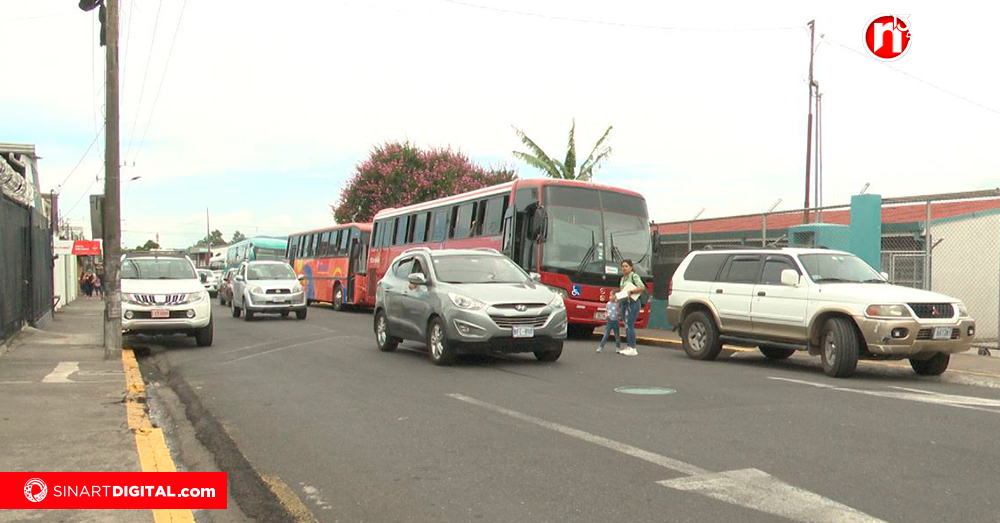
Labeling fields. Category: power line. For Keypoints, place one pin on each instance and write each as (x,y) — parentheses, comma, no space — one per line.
(921,80)
(96,136)
(166,65)
(619,24)
(145,75)
(85,193)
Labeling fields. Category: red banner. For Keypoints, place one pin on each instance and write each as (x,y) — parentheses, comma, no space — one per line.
(86,248)
(112,490)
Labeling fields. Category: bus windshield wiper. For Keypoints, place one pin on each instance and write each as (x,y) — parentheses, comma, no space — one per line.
(616,255)
(588,255)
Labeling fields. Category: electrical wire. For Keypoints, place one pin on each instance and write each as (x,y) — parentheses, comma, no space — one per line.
(912,77)
(96,136)
(85,193)
(619,24)
(145,76)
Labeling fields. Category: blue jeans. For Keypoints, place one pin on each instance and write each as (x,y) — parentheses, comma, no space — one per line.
(631,311)
(609,327)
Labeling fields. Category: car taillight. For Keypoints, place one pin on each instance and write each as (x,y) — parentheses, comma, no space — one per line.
(670,287)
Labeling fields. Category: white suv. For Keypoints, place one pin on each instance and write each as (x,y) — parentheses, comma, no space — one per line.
(827,302)
(162,294)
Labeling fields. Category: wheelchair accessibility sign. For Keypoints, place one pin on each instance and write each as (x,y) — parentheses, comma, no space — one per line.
(575,291)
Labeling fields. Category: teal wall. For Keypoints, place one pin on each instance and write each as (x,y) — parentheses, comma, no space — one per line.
(866,228)
(658,314)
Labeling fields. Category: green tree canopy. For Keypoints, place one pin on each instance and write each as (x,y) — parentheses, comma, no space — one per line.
(148,246)
(237,237)
(399,174)
(217,239)
(568,168)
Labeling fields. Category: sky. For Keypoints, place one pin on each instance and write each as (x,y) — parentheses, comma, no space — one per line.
(258,111)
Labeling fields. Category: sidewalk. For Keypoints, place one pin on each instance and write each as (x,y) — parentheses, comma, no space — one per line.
(61,408)
(969,363)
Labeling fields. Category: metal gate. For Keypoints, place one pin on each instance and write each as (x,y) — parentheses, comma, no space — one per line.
(905,268)
(26,259)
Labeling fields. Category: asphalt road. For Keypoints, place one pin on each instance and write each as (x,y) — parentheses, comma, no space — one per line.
(361,435)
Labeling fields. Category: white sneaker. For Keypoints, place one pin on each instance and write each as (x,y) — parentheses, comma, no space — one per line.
(630,352)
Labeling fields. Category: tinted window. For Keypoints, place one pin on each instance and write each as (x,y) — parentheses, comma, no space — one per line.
(403,268)
(623,203)
(440,225)
(704,267)
(376,227)
(420,228)
(387,233)
(417,268)
(477,269)
(572,197)
(270,271)
(324,244)
(401,223)
(463,222)
(772,270)
(493,215)
(345,241)
(743,269)
(157,269)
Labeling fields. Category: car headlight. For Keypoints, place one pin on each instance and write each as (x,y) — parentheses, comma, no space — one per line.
(255,289)
(465,302)
(296,289)
(557,302)
(558,290)
(963,312)
(887,311)
(196,297)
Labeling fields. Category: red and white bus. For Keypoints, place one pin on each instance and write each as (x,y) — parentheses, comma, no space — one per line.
(332,263)
(574,234)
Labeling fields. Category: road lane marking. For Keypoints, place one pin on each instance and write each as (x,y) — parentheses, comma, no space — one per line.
(62,371)
(750,488)
(329,338)
(635,452)
(248,347)
(759,490)
(917,395)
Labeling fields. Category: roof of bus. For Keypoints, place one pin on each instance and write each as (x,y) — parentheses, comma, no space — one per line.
(498,189)
(267,242)
(366,226)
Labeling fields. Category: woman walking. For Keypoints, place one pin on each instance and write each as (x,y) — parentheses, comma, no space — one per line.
(630,304)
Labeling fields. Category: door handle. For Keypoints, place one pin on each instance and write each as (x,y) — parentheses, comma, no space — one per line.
(761,293)
(718,291)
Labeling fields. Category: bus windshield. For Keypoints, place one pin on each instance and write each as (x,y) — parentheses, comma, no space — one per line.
(592,231)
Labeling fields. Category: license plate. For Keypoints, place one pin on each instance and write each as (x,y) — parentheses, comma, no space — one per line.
(279,301)
(600,315)
(160,313)
(524,332)
(942,333)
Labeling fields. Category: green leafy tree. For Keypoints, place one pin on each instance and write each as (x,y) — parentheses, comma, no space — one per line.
(217,239)
(568,168)
(237,237)
(398,174)
(148,246)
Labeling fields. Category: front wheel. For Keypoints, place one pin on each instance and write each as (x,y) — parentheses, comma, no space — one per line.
(776,353)
(840,348)
(338,298)
(386,343)
(701,337)
(204,335)
(933,366)
(234,309)
(551,353)
(301,315)
(440,348)
(247,313)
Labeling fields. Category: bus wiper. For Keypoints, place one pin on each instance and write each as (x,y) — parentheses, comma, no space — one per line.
(616,255)
(588,255)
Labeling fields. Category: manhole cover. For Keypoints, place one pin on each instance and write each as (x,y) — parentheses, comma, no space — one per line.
(645,391)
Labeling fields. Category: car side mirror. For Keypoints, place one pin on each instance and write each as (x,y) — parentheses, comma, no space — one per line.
(790,278)
(239,278)
(417,279)
(885,276)
(204,278)
(535,276)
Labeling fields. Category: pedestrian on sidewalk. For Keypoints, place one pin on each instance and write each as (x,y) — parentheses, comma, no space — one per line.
(98,287)
(630,303)
(612,319)
(88,285)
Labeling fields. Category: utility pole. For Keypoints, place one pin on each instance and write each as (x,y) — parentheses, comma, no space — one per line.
(112,193)
(208,232)
(812,41)
(818,200)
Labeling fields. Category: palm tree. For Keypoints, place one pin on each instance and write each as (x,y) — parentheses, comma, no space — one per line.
(566,169)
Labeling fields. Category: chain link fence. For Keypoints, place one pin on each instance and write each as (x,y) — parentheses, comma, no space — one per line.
(949,244)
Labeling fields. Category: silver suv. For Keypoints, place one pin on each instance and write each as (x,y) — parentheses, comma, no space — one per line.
(267,287)
(467,301)
(830,303)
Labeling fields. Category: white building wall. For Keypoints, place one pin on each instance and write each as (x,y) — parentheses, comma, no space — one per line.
(966,265)
(65,280)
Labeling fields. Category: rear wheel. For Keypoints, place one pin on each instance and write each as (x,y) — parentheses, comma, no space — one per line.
(386,343)
(933,366)
(301,314)
(204,335)
(776,353)
(440,348)
(234,309)
(700,337)
(840,348)
(338,298)
(550,353)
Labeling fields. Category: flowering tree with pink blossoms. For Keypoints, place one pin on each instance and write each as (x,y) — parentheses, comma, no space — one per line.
(398,174)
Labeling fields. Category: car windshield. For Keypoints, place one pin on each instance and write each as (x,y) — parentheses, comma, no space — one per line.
(593,230)
(839,268)
(270,271)
(157,269)
(477,269)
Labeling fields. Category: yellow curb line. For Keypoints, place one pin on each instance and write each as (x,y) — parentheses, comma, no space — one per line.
(662,341)
(154,455)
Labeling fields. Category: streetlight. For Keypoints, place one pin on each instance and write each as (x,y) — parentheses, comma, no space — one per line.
(691,226)
(763,232)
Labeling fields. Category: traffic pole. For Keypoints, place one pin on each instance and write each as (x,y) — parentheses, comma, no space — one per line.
(112,193)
